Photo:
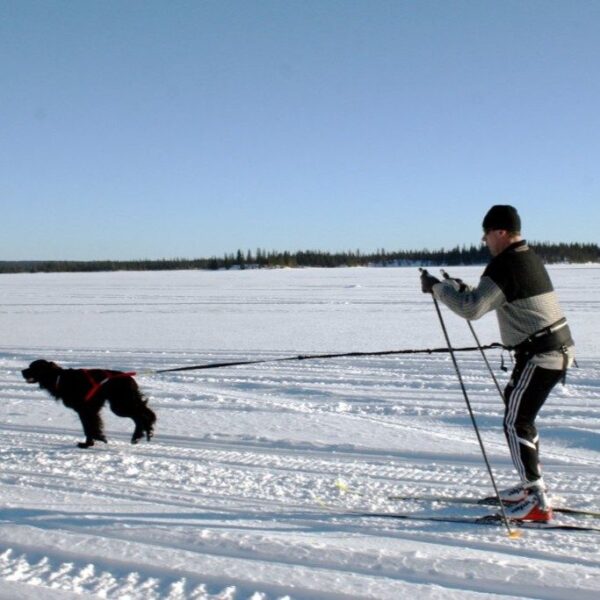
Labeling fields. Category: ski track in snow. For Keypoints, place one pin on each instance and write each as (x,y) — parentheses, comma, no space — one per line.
(240,495)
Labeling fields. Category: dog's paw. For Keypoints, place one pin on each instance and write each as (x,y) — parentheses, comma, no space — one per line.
(140,432)
(86,444)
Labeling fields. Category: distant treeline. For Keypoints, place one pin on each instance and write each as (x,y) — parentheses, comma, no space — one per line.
(473,255)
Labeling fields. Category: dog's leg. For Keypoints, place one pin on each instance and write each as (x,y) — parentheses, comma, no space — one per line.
(92,428)
(144,425)
(138,432)
(150,419)
(129,402)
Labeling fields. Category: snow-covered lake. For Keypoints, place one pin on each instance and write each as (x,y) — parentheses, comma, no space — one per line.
(238,496)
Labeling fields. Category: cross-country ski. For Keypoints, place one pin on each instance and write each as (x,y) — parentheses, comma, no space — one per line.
(486,501)
(488,519)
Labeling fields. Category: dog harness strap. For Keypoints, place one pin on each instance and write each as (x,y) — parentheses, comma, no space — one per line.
(96,385)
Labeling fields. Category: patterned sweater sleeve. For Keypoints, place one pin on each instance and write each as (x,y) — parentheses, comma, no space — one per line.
(473,302)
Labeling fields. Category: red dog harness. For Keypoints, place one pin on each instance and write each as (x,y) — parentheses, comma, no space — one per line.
(96,385)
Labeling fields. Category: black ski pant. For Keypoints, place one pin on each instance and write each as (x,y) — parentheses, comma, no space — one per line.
(525,394)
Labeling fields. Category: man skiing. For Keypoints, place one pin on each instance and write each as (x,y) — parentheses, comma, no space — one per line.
(516,285)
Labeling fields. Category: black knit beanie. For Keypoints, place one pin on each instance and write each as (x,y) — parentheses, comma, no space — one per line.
(502,216)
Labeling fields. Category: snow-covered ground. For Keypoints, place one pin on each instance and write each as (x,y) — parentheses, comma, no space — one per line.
(239,495)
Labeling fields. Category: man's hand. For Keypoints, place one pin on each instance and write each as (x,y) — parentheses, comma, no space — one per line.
(458,284)
(427,281)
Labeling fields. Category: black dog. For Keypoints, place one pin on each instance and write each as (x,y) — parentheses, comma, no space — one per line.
(86,391)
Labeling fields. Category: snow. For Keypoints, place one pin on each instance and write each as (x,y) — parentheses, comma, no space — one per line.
(246,492)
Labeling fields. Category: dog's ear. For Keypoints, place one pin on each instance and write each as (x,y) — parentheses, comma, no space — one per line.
(48,364)
(44,366)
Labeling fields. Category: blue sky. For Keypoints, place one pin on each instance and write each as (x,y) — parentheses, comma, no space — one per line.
(147,129)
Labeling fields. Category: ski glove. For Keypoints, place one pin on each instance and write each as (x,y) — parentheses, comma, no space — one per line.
(427,282)
(458,284)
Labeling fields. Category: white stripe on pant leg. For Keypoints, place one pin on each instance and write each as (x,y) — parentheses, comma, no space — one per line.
(513,409)
(526,442)
(514,403)
(514,400)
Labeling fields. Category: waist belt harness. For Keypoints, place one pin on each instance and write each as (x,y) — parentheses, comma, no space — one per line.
(554,337)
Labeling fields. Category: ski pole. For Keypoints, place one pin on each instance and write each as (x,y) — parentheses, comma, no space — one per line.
(480,347)
(511,533)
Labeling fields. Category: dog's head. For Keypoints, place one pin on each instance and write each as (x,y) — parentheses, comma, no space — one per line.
(41,371)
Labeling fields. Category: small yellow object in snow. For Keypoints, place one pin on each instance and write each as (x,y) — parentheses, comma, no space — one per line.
(515,534)
(341,485)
